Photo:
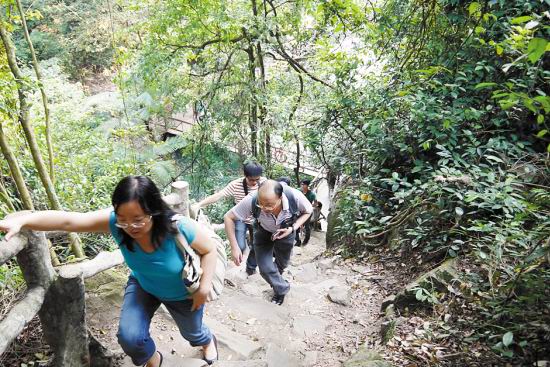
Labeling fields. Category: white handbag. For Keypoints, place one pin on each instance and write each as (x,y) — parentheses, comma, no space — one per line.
(192,270)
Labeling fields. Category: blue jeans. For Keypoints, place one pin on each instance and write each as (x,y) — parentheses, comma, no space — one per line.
(137,311)
(240,232)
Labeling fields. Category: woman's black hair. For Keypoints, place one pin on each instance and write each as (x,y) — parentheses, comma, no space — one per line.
(143,190)
(252,169)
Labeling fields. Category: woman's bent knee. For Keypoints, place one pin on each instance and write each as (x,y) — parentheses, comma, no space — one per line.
(131,341)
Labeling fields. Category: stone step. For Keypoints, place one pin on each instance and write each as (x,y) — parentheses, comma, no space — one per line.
(250,363)
(171,361)
(308,325)
(278,357)
(240,346)
(246,307)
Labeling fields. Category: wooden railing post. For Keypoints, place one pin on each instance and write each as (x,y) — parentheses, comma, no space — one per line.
(35,261)
(63,311)
(38,273)
(179,198)
(63,316)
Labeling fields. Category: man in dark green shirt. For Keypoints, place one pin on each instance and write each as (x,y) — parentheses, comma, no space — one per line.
(310,195)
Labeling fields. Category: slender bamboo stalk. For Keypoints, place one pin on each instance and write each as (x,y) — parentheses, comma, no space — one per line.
(24,120)
(6,197)
(42,91)
(24,194)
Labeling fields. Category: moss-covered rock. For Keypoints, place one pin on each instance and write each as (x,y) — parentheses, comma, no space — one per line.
(366,357)
(436,280)
(109,284)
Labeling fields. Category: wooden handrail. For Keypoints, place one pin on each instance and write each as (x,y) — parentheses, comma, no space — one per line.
(9,249)
(88,268)
(19,315)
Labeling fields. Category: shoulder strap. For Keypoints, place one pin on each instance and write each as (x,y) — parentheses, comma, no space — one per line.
(245,187)
(254,207)
(192,270)
(292,200)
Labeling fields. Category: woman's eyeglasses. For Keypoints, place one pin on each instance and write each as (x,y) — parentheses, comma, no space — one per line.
(139,224)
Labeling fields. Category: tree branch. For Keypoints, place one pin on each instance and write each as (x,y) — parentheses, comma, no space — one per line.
(291,60)
(202,46)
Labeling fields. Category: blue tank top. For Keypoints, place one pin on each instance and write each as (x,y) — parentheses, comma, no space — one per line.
(158,272)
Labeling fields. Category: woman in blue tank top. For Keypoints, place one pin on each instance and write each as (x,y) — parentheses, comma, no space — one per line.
(141,223)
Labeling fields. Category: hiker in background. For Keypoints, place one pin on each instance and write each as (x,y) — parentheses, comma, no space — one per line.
(317,216)
(284,179)
(310,195)
(141,223)
(279,210)
(238,189)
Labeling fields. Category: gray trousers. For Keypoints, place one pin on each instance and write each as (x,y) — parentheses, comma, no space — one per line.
(266,250)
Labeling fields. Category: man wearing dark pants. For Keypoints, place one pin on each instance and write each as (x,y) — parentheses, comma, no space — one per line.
(310,195)
(278,212)
(266,251)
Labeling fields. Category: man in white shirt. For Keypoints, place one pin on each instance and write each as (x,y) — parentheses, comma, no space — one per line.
(279,210)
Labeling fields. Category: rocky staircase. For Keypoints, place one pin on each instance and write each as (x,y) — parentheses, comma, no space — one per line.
(324,319)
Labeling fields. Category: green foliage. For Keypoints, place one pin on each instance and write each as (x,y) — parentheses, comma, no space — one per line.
(45,44)
(81,34)
(445,150)
(208,168)
(95,146)
(234,64)
(433,114)
(11,280)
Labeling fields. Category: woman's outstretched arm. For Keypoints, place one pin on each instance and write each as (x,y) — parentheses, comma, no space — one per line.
(55,220)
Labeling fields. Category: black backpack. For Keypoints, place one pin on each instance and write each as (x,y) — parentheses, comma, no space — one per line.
(292,203)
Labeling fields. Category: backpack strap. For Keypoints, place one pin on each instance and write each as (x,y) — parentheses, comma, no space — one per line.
(191,272)
(254,207)
(293,206)
(292,200)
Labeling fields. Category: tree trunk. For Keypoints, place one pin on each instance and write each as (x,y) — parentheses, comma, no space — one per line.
(265,140)
(42,91)
(6,197)
(252,124)
(253,105)
(24,120)
(24,194)
(296,137)
(268,158)
(297,168)
(266,129)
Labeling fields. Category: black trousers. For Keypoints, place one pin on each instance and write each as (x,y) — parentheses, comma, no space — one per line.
(266,250)
(307,232)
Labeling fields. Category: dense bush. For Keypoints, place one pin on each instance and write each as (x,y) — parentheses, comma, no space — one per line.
(449,154)
(81,34)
